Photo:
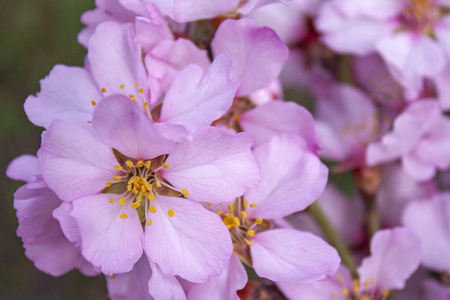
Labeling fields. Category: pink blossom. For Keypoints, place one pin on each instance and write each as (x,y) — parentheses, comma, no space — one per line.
(148,172)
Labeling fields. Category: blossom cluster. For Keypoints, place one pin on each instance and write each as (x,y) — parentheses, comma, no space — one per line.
(171,164)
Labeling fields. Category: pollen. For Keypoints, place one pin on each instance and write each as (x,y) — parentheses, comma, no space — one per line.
(131,96)
(340,278)
(103,90)
(244,214)
(108,184)
(385,293)
(118,168)
(165,165)
(151,197)
(147,164)
(366,284)
(229,216)
(117,178)
(122,201)
(345,292)
(185,193)
(123,216)
(112,276)
(93,102)
(249,242)
(208,203)
(356,286)
(252,205)
(136,84)
(158,184)
(129,163)
(133,99)
(251,233)
(170,212)
(122,86)
(145,105)
(219,212)
(140,164)
(230,207)
(135,204)
(259,221)
(89,122)
(111,200)
(149,222)
(237,117)
(152,209)
(141,91)
(245,204)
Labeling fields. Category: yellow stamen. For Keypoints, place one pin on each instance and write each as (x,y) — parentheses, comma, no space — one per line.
(208,203)
(237,117)
(133,99)
(170,212)
(136,84)
(89,122)
(135,190)
(135,204)
(219,212)
(249,242)
(251,233)
(145,105)
(103,90)
(345,292)
(152,209)
(340,278)
(122,201)
(356,286)
(245,203)
(122,86)
(366,284)
(147,164)
(111,200)
(230,207)
(131,96)
(108,184)
(259,221)
(334,294)
(151,197)
(252,205)
(385,293)
(148,186)
(229,216)
(185,193)
(93,102)
(123,216)
(244,214)
(141,91)
(165,165)
(149,222)
(118,168)
(140,164)
(129,163)
(117,178)
(158,184)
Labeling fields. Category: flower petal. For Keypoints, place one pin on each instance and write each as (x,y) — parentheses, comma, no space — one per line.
(193,243)
(257,53)
(292,256)
(110,233)
(24,168)
(123,125)
(214,167)
(164,286)
(66,94)
(69,150)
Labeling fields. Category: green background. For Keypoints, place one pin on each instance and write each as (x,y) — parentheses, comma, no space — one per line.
(34,36)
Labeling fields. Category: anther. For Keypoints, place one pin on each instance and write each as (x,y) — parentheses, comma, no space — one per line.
(366,284)
(237,117)
(229,216)
(103,90)
(136,84)
(244,214)
(108,184)
(251,233)
(345,292)
(165,165)
(141,91)
(148,186)
(123,216)
(245,203)
(122,201)
(129,163)
(252,205)
(93,102)
(133,99)
(334,294)
(118,168)
(112,276)
(131,96)
(140,163)
(219,212)
(111,200)
(89,122)
(135,204)
(117,178)
(147,164)
(152,209)
(122,86)
(149,222)
(158,184)
(170,212)
(185,192)
(259,221)
(208,203)
(145,105)
(230,207)
(249,242)
(151,197)
(385,293)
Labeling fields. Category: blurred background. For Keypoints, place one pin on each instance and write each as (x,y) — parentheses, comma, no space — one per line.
(34,36)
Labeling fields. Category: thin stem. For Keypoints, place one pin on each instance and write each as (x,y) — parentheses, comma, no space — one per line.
(333,237)
(345,69)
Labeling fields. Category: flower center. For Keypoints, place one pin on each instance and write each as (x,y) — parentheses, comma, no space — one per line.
(355,292)
(420,15)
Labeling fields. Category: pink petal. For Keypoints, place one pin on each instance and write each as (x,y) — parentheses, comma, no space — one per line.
(193,244)
(68,224)
(109,241)
(413,54)
(292,256)
(257,53)
(441,30)
(164,68)
(123,125)
(69,150)
(278,117)
(381,10)
(191,10)
(250,5)
(66,94)
(164,286)
(291,178)
(430,220)
(224,286)
(115,59)
(395,255)
(443,88)
(24,168)
(132,285)
(194,100)
(214,167)
(435,290)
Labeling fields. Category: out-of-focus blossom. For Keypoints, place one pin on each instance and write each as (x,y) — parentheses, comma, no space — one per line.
(420,138)
(43,238)
(395,255)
